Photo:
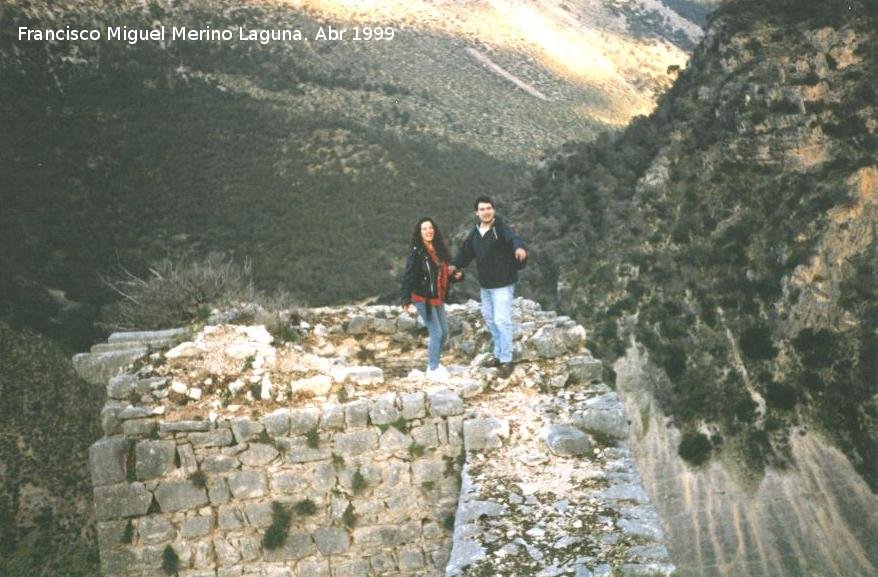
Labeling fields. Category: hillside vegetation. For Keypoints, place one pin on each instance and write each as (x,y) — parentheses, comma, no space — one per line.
(310,158)
(733,235)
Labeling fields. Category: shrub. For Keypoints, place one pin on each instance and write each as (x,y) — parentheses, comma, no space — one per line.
(198,478)
(756,343)
(349,517)
(128,534)
(276,533)
(416,450)
(170,561)
(695,448)
(358,482)
(305,507)
(312,438)
(780,395)
(175,293)
(448,522)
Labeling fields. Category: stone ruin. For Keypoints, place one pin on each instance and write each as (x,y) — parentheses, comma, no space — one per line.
(228,453)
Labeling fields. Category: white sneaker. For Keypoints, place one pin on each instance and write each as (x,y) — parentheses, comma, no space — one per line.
(439,374)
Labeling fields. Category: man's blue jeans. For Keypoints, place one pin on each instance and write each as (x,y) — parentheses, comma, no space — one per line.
(437,328)
(497,312)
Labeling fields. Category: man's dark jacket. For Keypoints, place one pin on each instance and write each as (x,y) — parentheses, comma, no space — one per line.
(494,254)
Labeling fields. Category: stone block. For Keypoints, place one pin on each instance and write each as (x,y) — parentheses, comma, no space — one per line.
(605,415)
(259,514)
(444,403)
(117,562)
(258,455)
(229,518)
(248,484)
(220,464)
(316,567)
(303,420)
(97,368)
(188,463)
(316,386)
(110,422)
(455,430)
(185,426)
(352,568)
(180,495)
(277,423)
(424,470)
(121,386)
(567,440)
(357,414)
(547,342)
(106,460)
(410,559)
(383,410)
(413,406)
(382,564)
(154,459)
(289,482)
(394,441)
(332,417)
(584,369)
(384,326)
(331,541)
(296,449)
(356,442)
(358,325)
(362,376)
(296,546)
(218,491)
(484,433)
(195,527)
(226,553)
(425,435)
(122,500)
(405,322)
(246,429)
(215,438)
(155,529)
(139,427)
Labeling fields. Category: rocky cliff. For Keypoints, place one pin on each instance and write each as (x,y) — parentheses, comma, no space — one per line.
(725,248)
(228,452)
(732,234)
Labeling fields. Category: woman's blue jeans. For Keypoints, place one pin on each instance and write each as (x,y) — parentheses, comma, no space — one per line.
(437,328)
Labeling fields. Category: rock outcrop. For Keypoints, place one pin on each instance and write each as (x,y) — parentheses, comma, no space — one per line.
(229,453)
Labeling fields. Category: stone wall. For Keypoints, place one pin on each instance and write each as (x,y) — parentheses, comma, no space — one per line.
(233,454)
(380,473)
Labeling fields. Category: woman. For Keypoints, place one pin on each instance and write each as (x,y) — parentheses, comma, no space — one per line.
(425,285)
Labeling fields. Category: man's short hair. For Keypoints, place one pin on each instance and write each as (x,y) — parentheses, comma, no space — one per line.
(485,199)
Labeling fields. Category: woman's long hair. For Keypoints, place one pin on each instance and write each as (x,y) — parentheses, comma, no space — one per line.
(439,244)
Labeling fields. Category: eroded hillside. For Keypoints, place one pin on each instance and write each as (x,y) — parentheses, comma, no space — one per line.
(732,234)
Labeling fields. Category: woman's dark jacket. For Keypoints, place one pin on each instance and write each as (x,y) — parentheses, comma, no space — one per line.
(421,276)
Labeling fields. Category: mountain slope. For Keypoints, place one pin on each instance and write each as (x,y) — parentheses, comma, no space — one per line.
(295,154)
(733,235)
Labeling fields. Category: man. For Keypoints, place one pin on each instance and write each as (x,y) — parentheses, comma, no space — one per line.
(499,254)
